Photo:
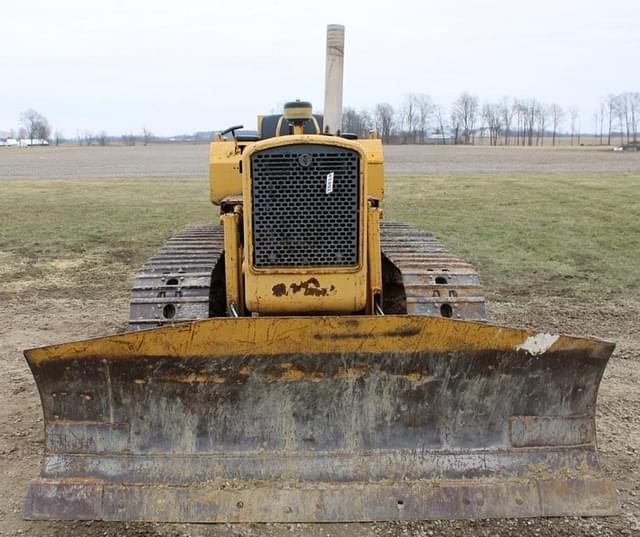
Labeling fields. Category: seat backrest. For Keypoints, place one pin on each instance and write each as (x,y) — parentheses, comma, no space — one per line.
(269,125)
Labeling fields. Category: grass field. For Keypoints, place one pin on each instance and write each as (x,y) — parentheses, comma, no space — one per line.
(572,236)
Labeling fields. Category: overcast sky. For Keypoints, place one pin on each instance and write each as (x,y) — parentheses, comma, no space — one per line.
(179,67)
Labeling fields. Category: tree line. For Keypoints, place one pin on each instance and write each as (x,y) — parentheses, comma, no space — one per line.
(420,120)
(509,121)
(35,126)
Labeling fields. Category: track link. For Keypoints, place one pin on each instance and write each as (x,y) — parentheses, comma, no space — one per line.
(174,285)
(435,282)
(421,278)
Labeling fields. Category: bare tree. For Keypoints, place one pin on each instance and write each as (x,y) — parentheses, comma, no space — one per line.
(383,117)
(438,113)
(611,114)
(491,113)
(634,112)
(542,115)
(410,117)
(603,111)
(129,139)
(367,123)
(87,136)
(355,122)
(146,135)
(506,111)
(557,115)
(573,115)
(530,112)
(102,138)
(465,110)
(425,110)
(35,125)
(620,110)
(58,138)
(520,113)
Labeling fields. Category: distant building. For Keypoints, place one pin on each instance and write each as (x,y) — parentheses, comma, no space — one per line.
(9,142)
(27,142)
(442,138)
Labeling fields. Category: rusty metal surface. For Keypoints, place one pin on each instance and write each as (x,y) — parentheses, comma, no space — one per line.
(320,419)
(433,280)
(300,502)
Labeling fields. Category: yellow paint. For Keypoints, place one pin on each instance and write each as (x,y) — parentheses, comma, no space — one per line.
(294,375)
(374,257)
(233,261)
(351,372)
(278,290)
(375,167)
(280,336)
(225,179)
(224,171)
(341,290)
(194,378)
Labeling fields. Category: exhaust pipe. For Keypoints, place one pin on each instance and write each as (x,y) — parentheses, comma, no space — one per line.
(333,79)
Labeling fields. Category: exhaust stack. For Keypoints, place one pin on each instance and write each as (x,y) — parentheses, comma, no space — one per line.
(333,78)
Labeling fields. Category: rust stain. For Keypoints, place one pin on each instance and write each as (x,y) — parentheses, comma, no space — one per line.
(194,378)
(288,375)
(351,372)
(401,332)
(279,290)
(246,371)
(291,374)
(310,287)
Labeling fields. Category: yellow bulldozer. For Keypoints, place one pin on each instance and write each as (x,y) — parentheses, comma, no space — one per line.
(304,361)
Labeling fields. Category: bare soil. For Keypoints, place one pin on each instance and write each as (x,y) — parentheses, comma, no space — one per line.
(190,160)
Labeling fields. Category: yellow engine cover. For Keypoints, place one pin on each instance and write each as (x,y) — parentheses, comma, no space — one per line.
(306,201)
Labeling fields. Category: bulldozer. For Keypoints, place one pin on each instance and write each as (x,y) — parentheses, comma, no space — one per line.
(304,360)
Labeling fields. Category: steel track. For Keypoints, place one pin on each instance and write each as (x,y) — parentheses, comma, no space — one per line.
(424,278)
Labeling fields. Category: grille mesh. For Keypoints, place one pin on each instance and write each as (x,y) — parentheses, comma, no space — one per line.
(296,223)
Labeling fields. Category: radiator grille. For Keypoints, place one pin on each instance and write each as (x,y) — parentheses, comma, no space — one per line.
(305,206)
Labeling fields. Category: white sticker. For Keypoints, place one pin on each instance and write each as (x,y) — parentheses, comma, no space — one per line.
(329,183)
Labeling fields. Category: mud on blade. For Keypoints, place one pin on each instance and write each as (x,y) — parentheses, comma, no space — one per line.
(320,419)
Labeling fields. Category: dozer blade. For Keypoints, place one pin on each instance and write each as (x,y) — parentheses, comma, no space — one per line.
(320,419)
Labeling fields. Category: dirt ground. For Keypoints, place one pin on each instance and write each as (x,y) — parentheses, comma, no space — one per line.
(190,160)
(44,318)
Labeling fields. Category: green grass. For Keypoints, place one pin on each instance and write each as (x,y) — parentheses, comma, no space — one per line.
(70,237)
(558,236)
(544,236)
